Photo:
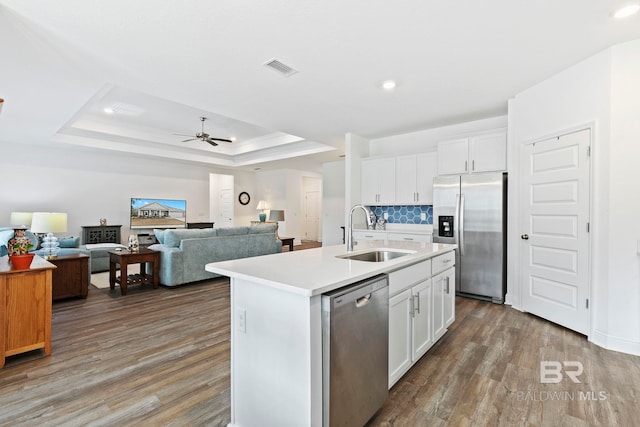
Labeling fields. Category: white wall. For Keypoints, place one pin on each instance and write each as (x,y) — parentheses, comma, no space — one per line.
(356,148)
(283,189)
(333,202)
(601,92)
(427,140)
(90,185)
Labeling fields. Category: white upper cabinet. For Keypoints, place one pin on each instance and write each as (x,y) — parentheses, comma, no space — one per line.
(414,179)
(378,181)
(481,153)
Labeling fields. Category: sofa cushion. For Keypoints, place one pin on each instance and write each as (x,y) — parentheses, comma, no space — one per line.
(172,238)
(263,228)
(69,242)
(232,231)
(159,233)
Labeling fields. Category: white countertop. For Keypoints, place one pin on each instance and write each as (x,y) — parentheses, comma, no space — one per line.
(315,271)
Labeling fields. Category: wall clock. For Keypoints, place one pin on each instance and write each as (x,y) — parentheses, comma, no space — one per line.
(244,198)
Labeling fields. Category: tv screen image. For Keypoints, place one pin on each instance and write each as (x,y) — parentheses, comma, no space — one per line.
(158,213)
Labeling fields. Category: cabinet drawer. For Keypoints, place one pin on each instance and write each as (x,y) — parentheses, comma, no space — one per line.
(407,237)
(369,235)
(408,276)
(442,262)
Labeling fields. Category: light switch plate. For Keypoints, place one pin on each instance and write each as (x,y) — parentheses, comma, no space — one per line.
(242,319)
(423,216)
(385,215)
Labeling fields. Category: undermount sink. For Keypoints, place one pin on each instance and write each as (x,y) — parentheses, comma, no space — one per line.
(375,256)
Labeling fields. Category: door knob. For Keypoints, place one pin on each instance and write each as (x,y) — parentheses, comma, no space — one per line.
(525,237)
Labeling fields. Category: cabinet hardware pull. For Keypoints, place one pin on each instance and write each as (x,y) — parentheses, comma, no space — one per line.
(447,283)
(416,308)
(408,238)
(473,165)
(465,165)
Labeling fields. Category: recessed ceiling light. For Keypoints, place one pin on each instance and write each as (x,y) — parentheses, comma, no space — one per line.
(626,11)
(233,139)
(108,110)
(388,85)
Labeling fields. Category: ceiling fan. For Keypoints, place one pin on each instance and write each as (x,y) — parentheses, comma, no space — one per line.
(202,136)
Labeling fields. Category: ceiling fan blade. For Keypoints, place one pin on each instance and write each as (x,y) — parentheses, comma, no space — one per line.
(221,139)
(182,134)
(210,141)
(192,139)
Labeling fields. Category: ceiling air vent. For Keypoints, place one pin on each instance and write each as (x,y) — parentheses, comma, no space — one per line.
(283,69)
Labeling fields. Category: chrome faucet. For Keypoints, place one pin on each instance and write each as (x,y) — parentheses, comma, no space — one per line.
(369,216)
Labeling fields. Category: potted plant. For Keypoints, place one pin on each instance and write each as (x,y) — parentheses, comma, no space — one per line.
(18,248)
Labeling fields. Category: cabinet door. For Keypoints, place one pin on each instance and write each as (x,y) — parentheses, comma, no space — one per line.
(386,171)
(488,152)
(426,170)
(438,305)
(421,332)
(449,297)
(406,180)
(399,335)
(453,157)
(369,184)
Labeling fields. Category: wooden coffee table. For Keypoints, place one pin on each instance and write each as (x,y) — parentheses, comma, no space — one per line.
(126,257)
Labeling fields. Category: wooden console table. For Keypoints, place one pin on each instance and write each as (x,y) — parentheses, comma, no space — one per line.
(101,234)
(287,241)
(71,278)
(124,258)
(25,308)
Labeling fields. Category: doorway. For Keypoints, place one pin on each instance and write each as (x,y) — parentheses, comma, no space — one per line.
(555,225)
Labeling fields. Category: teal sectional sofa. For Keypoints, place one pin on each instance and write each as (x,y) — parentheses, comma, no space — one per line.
(185,252)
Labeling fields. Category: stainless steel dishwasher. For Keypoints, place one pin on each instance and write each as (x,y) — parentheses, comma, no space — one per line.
(355,352)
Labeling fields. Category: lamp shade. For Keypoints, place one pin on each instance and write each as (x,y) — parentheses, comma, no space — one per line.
(49,222)
(276,215)
(21,218)
(262,205)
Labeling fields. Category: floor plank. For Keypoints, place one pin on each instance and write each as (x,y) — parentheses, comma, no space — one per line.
(161,357)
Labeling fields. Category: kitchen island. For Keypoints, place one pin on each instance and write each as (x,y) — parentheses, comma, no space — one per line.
(276,329)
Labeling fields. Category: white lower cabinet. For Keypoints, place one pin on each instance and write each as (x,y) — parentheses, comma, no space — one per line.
(410,334)
(421,308)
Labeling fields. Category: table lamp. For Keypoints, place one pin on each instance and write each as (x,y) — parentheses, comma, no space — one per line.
(262,205)
(276,215)
(49,223)
(21,219)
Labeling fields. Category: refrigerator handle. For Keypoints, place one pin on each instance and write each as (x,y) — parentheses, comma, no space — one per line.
(456,222)
(461,224)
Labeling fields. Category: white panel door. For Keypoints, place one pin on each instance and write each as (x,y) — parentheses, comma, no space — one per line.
(312,215)
(225,210)
(555,238)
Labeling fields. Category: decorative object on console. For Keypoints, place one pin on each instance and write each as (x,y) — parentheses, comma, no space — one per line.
(18,248)
(134,245)
(103,222)
(49,222)
(262,205)
(1,104)
(21,219)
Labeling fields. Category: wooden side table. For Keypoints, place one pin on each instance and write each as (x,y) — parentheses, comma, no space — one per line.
(25,308)
(124,258)
(287,241)
(71,278)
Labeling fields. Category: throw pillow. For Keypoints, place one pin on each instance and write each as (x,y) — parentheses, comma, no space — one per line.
(159,234)
(69,242)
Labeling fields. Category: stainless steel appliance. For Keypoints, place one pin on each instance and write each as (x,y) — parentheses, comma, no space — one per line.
(471,211)
(355,352)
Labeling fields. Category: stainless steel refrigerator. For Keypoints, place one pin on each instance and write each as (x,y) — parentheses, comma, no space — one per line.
(471,211)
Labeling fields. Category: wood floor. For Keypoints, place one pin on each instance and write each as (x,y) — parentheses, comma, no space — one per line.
(161,357)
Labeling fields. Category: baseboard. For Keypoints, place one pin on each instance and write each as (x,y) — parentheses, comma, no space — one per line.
(615,343)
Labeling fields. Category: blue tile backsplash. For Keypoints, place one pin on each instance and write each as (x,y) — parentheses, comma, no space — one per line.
(404,214)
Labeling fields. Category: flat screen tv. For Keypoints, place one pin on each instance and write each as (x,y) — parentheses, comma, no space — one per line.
(158,213)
